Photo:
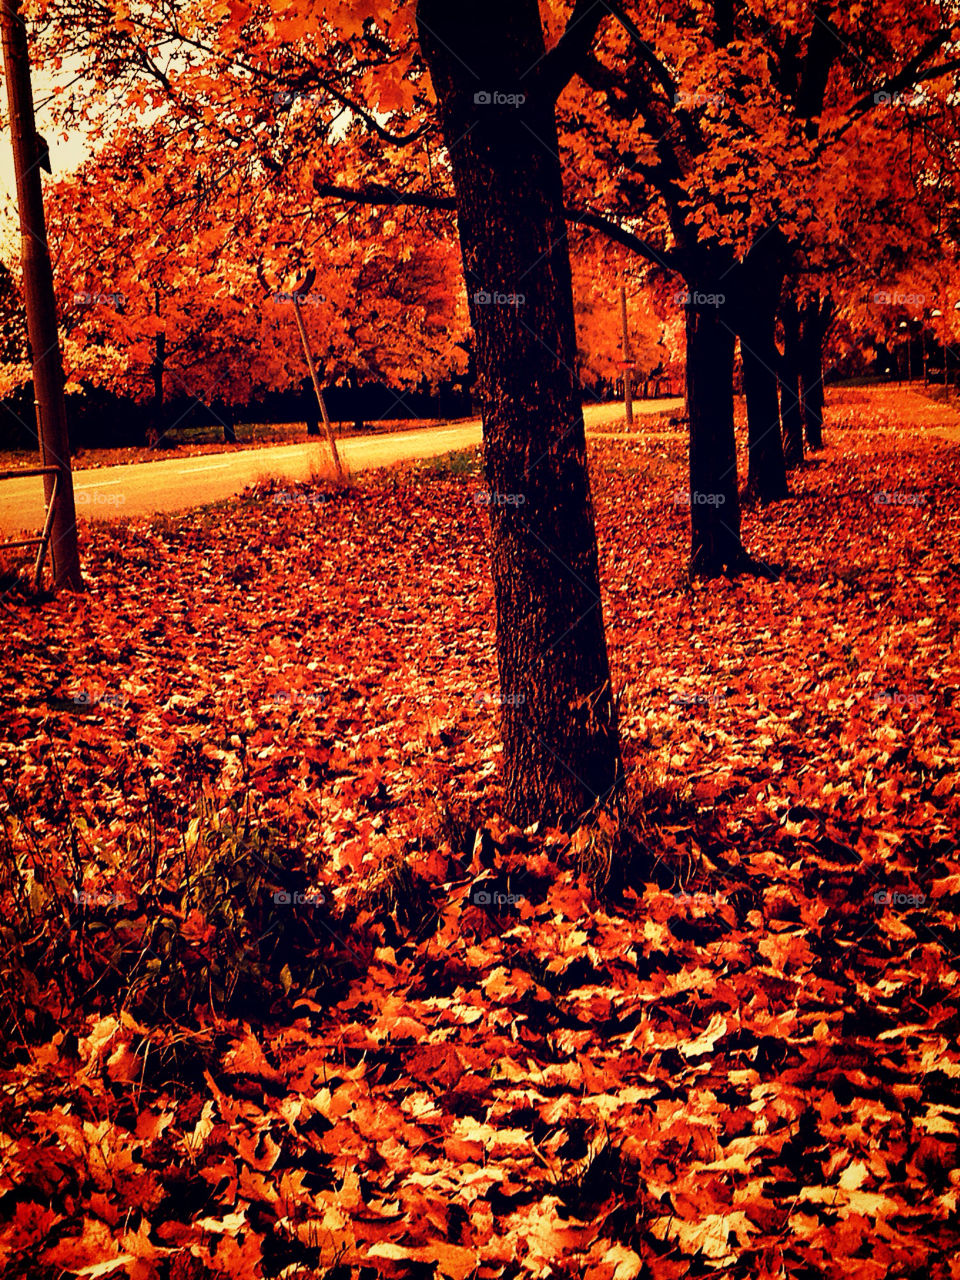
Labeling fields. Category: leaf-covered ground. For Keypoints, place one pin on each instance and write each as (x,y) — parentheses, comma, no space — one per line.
(285,996)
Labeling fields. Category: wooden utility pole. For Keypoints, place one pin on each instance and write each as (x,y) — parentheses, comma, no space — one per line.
(41,304)
(298,296)
(627,359)
(321,401)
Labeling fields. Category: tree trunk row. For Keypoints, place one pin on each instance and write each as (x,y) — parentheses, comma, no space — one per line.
(784,395)
(561,754)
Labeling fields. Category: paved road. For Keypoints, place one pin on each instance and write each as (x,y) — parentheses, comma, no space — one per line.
(176,484)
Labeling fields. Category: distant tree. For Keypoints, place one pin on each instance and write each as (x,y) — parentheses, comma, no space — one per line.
(14,349)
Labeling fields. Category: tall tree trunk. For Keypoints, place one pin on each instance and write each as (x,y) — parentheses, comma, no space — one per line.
(560,736)
(812,388)
(229,424)
(791,406)
(156,427)
(814,327)
(311,411)
(157,369)
(767,470)
(155,424)
(353,382)
(715,546)
(760,281)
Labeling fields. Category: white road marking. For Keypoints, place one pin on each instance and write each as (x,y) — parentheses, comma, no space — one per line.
(101,484)
(192,471)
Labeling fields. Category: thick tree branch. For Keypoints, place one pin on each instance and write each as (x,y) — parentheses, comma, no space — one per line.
(616,233)
(385,197)
(905,79)
(723,18)
(908,78)
(639,98)
(660,72)
(660,75)
(823,50)
(375,194)
(564,60)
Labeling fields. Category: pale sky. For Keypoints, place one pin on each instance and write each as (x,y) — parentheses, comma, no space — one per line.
(65,155)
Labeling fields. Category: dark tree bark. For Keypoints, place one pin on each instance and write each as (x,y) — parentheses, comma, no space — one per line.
(353,382)
(156,427)
(814,325)
(759,298)
(767,469)
(311,411)
(811,387)
(560,737)
(791,405)
(715,546)
(157,368)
